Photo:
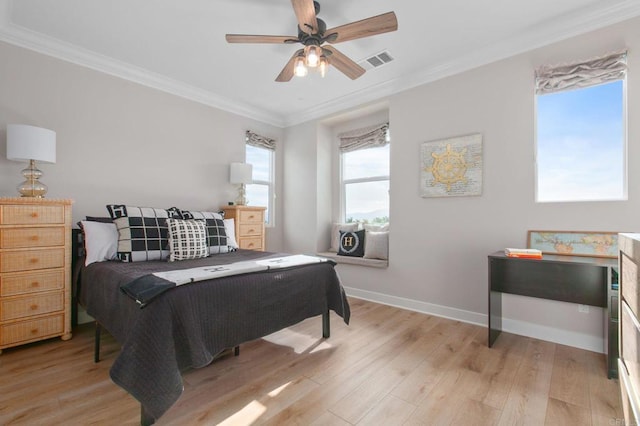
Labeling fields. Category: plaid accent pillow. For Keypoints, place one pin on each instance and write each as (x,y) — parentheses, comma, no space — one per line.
(187,239)
(142,232)
(218,241)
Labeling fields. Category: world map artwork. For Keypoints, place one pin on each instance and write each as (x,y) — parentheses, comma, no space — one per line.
(575,243)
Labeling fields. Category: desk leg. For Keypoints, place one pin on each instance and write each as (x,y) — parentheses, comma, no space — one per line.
(495,316)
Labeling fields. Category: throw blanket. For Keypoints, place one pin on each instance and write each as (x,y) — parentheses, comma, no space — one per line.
(144,289)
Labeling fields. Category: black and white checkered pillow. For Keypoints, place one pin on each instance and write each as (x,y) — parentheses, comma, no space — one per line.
(142,232)
(187,239)
(215,228)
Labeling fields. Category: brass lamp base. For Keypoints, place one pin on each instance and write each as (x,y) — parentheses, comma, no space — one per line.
(32,187)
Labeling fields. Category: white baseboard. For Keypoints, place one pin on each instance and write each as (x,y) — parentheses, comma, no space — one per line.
(536,331)
(417,306)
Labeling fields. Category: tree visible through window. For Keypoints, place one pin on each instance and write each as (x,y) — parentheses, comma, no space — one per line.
(581,149)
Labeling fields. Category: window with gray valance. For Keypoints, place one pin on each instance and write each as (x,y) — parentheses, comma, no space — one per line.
(558,78)
(366,137)
(259,141)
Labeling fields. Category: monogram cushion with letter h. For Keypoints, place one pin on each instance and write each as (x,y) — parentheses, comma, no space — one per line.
(351,243)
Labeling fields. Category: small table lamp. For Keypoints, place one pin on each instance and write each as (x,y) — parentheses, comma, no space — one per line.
(29,143)
(241,173)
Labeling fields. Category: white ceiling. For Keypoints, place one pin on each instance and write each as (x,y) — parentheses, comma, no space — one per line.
(179,45)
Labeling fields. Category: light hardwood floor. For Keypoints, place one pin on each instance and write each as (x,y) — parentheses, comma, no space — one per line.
(389,367)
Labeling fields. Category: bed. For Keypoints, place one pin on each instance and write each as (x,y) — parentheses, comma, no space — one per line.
(188,325)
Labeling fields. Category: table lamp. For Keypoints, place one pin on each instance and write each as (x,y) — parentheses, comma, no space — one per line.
(241,174)
(30,143)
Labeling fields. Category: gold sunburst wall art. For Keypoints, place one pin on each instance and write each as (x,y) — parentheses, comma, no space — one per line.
(451,167)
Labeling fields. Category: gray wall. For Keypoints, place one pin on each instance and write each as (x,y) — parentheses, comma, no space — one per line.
(120,142)
(439,246)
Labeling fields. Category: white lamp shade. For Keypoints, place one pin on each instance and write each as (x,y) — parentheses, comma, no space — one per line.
(241,173)
(26,143)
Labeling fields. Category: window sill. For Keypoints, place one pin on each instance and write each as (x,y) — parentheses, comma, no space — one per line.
(373,263)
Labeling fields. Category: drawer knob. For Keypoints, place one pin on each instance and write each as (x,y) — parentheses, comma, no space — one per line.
(250,244)
(252,230)
(34,238)
(33,260)
(251,217)
(34,331)
(35,284)
(33,307)
(34,214)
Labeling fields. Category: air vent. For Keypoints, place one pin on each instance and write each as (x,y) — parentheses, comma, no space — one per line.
(377,60)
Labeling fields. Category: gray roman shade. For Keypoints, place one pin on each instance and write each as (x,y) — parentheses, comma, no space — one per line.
(367,137)
(605,69)
(259,141)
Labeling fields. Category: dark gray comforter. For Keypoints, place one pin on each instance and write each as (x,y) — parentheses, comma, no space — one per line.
(188,325)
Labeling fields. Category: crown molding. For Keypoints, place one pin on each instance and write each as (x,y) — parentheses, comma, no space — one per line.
(553,31)
(559,29)
(23,37)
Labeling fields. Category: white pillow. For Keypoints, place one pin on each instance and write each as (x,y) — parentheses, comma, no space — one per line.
(376,245)
(376,227)
(100,241)
(335,233)
(230,229)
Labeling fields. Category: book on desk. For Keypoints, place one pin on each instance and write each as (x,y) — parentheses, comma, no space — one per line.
(523,253)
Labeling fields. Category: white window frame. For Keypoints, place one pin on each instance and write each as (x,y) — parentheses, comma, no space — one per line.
(269,183)
(345,182)
(625,157)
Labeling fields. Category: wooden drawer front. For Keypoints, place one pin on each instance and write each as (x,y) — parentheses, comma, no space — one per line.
(627,395)
(29,260)
(630,344)
(16,284)
(21,307)
(31,237)
(250,243)
(252,216)
(629,272)
(31,215)
(250,230)
(31,330)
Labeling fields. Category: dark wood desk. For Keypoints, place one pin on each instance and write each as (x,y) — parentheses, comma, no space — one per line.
(575,279)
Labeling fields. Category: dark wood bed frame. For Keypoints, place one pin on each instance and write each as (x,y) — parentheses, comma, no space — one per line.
(77,254)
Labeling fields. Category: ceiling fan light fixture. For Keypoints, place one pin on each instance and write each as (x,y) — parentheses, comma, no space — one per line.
(323,66)
(299,70)
(312,54)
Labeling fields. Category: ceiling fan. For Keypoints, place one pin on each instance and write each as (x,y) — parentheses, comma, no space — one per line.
(313,34)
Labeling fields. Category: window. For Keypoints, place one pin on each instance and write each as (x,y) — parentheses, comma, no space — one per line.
(365,175)
(581,148)
(260,152)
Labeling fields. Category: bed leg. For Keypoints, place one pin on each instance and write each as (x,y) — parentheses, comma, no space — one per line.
(236,350)
(96,349)
(145,418)
(326,325)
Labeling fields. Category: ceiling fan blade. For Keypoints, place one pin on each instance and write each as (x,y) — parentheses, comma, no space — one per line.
(380,24)
(287,72)
(247,38)
(306,13)
(344,64)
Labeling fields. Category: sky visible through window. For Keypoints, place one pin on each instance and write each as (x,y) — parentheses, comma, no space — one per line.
(581,150)
(366,201)
(258,193)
